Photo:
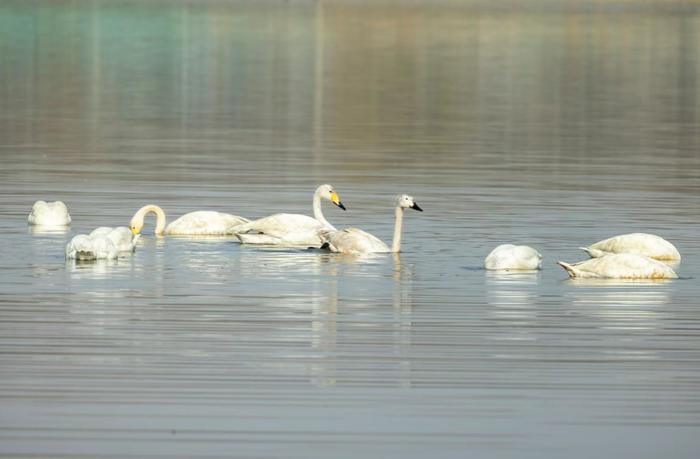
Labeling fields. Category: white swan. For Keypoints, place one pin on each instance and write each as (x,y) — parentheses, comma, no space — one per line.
(620,266)
(102,243)
(49,214)
(291,229)
(515,257)
(85,247)
(357,241)
(199,223)
(122,237)
(645,244)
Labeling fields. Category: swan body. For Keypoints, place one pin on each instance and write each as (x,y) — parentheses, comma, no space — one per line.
(199,223)
(357,241)
(515,257)
(291,229)
(122,237)
(102,243)
(645,244)
(85,247)
(353,240)
(49,214)
(620,266)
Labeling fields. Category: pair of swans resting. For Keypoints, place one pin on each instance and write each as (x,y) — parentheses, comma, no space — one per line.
(628,256)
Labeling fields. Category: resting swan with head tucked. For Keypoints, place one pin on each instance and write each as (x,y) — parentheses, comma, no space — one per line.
(513,257)
(49,214)
(645,244)
(291,229)
(619,266)
(357,241)
(199,223)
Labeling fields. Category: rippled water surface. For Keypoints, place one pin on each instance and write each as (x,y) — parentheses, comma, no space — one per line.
(555,125)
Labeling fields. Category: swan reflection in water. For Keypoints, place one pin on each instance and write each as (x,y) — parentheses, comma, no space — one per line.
(619,309)
(513,296)
(516,290)
(48,229)
(357,317)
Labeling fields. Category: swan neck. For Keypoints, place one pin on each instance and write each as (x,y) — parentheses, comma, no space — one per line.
(318,213)
(396,244)
(160,216)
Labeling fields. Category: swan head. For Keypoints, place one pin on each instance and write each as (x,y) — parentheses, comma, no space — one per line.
(327,192)
(135,226)
(407,202)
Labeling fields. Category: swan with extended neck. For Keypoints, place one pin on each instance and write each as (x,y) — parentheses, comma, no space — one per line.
(199,223)
(291,229)
(357,241)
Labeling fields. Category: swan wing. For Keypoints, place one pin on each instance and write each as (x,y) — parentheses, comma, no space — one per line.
(101,231)
(291,229)
(205,222)
(123,239)
(353,240)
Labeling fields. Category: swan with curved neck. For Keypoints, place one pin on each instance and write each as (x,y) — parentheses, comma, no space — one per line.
(291,229)
(357,241)
(199,223)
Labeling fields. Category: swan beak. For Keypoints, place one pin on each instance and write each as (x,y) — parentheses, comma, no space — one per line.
(134,231)
(336,200)
(415,207)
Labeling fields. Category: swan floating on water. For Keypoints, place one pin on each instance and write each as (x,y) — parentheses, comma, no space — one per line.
(199,223)
(515,257)
(357,241)
(102,243)
(122,237)
(645,244)
(291,229)
(49,214)
(620,266)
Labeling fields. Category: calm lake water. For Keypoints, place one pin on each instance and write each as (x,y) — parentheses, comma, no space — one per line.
(554,125)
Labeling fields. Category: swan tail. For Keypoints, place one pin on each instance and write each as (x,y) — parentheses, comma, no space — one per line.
(570,269)
(261,239)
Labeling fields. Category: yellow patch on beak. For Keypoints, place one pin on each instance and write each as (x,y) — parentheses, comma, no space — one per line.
(335,198)
(134,231)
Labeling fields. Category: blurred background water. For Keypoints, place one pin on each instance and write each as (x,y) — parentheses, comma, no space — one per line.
(553,124)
